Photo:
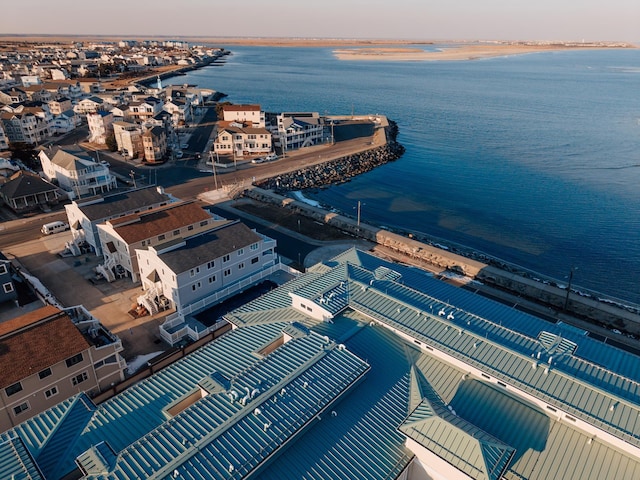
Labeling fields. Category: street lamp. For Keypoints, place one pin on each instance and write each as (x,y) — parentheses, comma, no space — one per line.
(213,166)
(132,174)
(566,298)
(359,210)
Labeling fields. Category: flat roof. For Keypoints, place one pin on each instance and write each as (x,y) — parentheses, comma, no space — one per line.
(109,206)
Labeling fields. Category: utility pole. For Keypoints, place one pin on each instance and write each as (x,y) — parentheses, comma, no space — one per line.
(359,206)
(132,174)
(213,165)
(566,298)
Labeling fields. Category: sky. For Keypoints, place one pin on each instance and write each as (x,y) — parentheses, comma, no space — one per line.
(563,20)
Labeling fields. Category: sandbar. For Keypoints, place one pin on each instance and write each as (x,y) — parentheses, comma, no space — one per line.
(461,51)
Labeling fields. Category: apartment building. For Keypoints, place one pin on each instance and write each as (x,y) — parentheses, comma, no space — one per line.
(129,138)
(48,355)
(120,237)
(154,144)
(85,215)
(100,126)
(184,271)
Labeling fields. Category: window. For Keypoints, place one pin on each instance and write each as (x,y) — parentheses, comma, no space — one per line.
(225,258)
(255,260)
(78,379)
(144,242)
(212,279)
(7,287)
(195,286)
(203,224)
(44,373)
(21,408)
(190,227)
(240,265)
(160,237)
(74,360)
(210,265)
(51,392)
(3,269)
(106,361)
(176,233)
(193,271)
(240,251)
(227,272)
(254,246)
(13,389)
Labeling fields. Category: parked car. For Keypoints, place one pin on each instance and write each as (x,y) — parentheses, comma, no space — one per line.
(258,160)
(184,146)
(178,154)
(271,157)
(54,227)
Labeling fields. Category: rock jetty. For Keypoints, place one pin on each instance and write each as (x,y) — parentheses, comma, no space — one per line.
(336,171)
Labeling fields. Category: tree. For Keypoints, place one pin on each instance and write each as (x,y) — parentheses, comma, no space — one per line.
(111,142)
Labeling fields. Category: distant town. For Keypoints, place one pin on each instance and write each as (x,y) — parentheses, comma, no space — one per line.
(172,306)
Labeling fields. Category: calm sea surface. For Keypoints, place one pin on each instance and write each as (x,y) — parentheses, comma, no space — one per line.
(534,159)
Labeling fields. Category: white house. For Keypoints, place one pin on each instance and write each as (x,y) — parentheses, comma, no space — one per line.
(235,139)
(100,126)
(91,105)
(186,272)
(65,122)
(244,113)
(120,237)
(75,171)
(84,215)
(297,129)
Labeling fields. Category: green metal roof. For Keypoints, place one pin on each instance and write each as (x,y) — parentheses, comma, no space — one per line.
(459,442)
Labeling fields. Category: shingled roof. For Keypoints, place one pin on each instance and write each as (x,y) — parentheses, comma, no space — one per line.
(34,341)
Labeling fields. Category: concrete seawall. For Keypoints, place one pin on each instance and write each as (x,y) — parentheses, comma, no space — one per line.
(601,312)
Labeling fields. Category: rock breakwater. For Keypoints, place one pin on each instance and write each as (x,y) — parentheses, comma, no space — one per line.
(334,171)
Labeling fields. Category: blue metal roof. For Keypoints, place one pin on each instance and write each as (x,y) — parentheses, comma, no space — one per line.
(143,433)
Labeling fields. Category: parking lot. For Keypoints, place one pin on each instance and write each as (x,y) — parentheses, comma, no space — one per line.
(71,281)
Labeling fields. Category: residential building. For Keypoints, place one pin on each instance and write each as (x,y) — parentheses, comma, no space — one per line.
(65,88)
(49,355)
(297,130)
(7,286)
(90,105)
(4,141)
(12,95)
(24,127)
(129,139)
(244,114)
(185,271)
(85,215)
(76,171)
(239,141)
(65,122)
(37,93)
(180,110)
(154,142)
(100,126)
(143,110)
(120,237)
(60,105)
(26,192)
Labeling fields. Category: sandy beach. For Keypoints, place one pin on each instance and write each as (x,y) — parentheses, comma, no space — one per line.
(458,52)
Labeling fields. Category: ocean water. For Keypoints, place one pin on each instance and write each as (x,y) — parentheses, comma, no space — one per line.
(534,159)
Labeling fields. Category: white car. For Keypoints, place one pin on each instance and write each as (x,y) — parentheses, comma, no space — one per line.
(258,160)
(271,157)
(178,154)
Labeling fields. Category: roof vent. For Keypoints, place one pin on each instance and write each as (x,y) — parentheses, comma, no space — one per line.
(257,412)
